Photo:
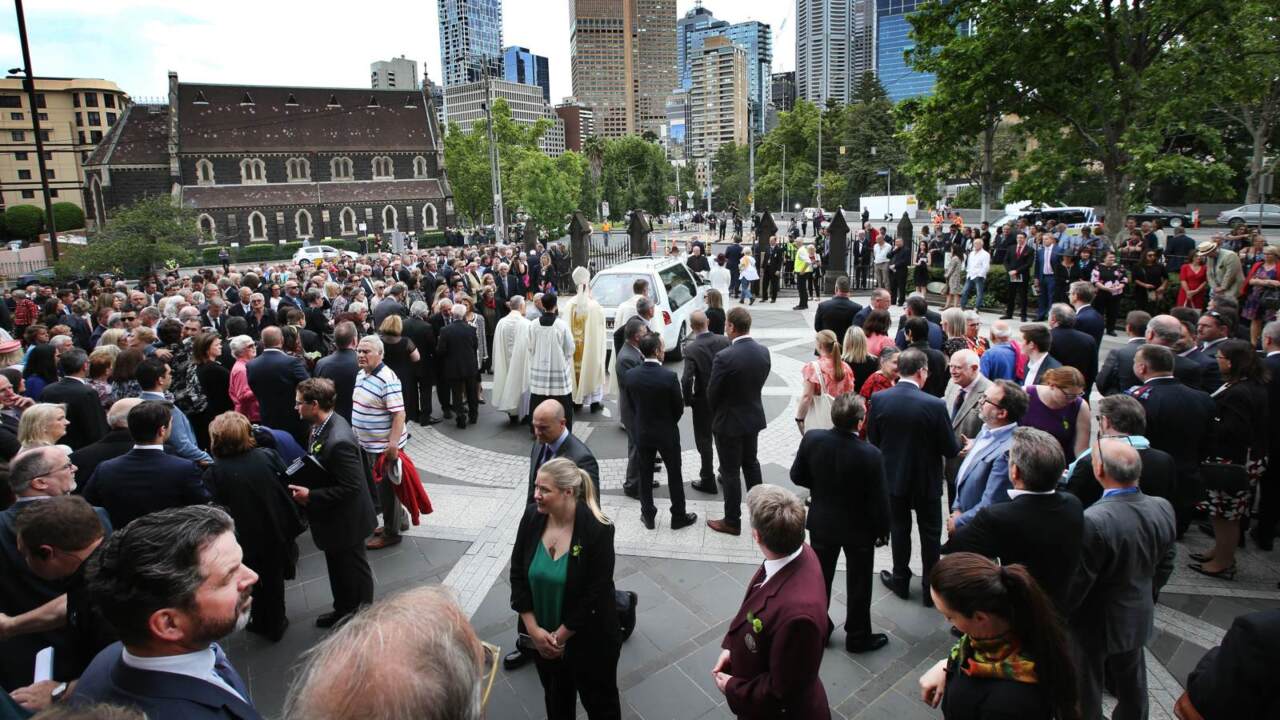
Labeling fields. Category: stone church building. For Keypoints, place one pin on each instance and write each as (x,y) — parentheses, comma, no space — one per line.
(261,164)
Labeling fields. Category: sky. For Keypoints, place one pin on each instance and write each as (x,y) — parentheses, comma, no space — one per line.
(325,43)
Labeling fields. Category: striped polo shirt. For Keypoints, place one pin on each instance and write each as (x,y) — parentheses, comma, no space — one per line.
(376,398)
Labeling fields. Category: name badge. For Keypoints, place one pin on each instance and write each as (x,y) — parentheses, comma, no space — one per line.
(750,641)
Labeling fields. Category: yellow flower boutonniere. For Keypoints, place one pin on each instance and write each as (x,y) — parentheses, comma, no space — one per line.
(576,550)
(756,624)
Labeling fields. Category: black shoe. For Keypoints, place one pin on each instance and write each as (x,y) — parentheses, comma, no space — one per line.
(1006,317)
(462,423)
(897,587)
(927,600)
(631,492)
(471,419)
(448,414)
(429,421)
(797,308)
(647,522)
(516,658)
(684,521)
(330,619)
(874,641)
(709,488)
(627,618)
(596,407)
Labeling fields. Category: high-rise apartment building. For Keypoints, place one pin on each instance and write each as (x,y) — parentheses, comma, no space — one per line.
(718,98)
(824,44)
(753,37)
(698,18)
(579,123)
(470,40)
(75,115)
(394,74)
(466,106)
(863,48)
(623,62)
(676,137)
(783,92)
(521,65)
(893,39)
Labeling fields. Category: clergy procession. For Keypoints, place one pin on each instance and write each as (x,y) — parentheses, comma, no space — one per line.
(196,457)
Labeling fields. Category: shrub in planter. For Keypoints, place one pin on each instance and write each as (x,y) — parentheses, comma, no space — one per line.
(67,216)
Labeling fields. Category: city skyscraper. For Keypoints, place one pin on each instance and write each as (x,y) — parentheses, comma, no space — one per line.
(783,93)
(698,18)
(470,40)
(892,40)
(824,44)
(521,65)
(394,74)
(756,39)
(718,98)
(623,62)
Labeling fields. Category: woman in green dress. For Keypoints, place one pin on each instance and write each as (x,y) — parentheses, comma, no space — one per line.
(562,588)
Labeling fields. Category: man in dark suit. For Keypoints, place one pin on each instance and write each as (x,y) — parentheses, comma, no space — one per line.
(35,475)
(699,355)
(768,667)
(1210,373)
(1122,417)
(913,431)
(508,287)
(115,443)
(629,358)
(1179,420)
(656,407)
(860,256)
(738,374)
(337,503)
(837,313)
(259,316)
(1269,503)
(1018,262)
(899,265)
(849,511)
(273,376)
(392,304)
(1038,528)
(1088,320)
(1167,331)
(733,257)
(458,365)
(340,368)
(774,258)
(552,439)
(215,316)
(1116,374)
(86,421)
(1046,273)
(918,307)
(917,332)
(1071,347)
(423,335)
(1235,679)
(164,619)
(1126,556)
(146,478)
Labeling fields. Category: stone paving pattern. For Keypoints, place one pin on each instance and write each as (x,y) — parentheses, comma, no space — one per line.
(691,581)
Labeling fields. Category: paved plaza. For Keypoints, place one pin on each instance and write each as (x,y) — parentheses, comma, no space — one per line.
(690,581)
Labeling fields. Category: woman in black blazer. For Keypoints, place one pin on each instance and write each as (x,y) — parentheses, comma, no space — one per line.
(249,482)
(562,587)
(215,383)
(1013,660)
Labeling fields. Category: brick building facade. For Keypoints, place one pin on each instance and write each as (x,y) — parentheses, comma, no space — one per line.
(279,164)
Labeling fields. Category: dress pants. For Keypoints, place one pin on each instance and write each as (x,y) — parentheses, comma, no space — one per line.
(631,481)
(882,276)
(566,401)
(350,579)
(737,458)
(589,674)
(859,562)
(769,291)
(268,592)
(702,416)
(1126,675)
(1017,290)
(860,276)
(1048,283)
(929,519)
(733,282)
(466,398)
(1108,305)
(442,392)
(802,285)
(675,481)
(384,497)
(899,289)
(425,386)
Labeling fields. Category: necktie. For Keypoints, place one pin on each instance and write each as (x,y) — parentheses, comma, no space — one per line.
(546,455)
(222,667)
(955,407)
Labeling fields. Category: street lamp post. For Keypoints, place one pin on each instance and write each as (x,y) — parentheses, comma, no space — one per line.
(29,84)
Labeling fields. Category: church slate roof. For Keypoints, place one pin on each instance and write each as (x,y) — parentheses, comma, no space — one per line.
(330,193)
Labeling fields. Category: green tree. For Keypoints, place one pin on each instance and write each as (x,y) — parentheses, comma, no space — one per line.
(151,233)
(67,216)
(544,191)
(467,159)
(730,177)
(869,138)
(634,174)
(25,222)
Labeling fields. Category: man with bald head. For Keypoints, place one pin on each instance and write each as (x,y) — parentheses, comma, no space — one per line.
(1167,331)
(699,353)
(1127,555)
(115,443)
(273,377)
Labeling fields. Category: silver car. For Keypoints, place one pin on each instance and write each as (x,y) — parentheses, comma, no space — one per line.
(1252,214)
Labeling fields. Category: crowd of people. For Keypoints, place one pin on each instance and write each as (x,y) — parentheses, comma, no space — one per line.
(165,445)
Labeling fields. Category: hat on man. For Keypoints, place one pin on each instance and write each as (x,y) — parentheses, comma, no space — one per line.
(1206,247)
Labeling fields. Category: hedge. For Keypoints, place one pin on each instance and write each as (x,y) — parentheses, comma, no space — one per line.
(259,252)
(996,295)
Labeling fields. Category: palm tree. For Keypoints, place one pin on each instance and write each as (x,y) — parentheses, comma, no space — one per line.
(593,148)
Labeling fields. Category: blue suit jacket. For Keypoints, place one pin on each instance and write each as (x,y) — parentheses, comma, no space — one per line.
(144,481)
(985,480)
(159,694)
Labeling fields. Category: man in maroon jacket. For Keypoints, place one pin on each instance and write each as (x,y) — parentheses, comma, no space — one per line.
(773,649)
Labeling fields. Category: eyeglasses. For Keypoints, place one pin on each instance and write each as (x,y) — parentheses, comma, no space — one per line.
(68,466)
(491,655)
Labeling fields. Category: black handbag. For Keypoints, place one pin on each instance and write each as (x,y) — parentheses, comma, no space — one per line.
(626,601)
(1269,298)
(1224,477)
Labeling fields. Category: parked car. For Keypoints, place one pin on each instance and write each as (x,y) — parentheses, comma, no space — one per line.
(311,253)
(675,289)
(1251,214)
(1167,218)
(1073,217)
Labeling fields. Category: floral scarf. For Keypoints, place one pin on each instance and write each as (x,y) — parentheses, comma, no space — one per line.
(998,657)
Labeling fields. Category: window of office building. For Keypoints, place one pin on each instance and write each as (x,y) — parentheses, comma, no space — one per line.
(108,100)
(91,99)
(17,135)
(19,156)
(28,194)
(95,118)
(15,116)
(95,136)
(24,174)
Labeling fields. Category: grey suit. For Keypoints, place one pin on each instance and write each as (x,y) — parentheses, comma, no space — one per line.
(628,358)
(966,421)
(1127,555)
(573,449)
(1116,375)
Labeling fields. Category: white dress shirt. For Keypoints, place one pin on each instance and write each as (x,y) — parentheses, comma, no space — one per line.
(771,567)
(978,264)
(198,664)
(1033,367)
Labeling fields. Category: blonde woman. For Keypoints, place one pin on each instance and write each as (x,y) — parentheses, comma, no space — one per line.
(829,375)
(119,337)
(747,274)
(564,536)
(857,355)
(42,424)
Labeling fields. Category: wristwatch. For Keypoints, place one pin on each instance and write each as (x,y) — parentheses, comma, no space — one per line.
(58,692)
